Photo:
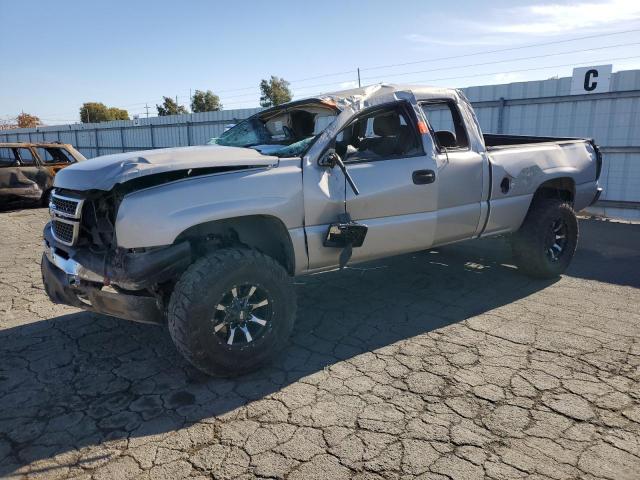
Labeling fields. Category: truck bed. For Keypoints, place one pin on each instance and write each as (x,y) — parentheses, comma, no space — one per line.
(495,141)
(520,164)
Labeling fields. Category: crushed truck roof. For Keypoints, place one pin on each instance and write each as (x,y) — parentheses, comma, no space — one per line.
(384,90)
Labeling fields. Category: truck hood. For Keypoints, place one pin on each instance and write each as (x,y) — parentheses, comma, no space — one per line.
(102,173)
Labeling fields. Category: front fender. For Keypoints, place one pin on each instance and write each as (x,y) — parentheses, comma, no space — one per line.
(157,215)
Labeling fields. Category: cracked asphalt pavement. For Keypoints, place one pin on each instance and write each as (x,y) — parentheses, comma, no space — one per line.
(442,364)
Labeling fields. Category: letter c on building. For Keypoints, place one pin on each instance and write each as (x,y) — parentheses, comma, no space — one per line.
(589,83)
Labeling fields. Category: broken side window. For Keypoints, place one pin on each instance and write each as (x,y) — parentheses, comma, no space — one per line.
(26,158)
(7,157)
(446,124)
(54,155)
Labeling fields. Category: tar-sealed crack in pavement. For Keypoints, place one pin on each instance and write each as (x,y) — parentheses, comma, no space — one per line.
(445,364)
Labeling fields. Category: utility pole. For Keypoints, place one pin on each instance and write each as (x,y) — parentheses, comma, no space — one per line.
(146,106)
(359,78)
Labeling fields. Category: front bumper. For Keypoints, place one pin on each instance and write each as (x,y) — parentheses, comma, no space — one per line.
(65,289)
(78,277)
(128,270)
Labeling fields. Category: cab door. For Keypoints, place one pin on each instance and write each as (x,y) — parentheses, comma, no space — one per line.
(462,173)
(385,156)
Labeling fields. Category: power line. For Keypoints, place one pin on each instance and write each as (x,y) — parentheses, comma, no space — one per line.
(534,68)
(454,67)
(513,71)
(507,61)
(486,52)
(483,74)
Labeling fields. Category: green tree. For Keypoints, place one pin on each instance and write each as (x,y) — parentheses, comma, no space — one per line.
(170,107)
(117,114)
(274,91)
(95,112)
(205,102)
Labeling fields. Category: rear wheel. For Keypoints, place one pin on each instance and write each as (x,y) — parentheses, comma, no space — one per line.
(546,242)
(232,312)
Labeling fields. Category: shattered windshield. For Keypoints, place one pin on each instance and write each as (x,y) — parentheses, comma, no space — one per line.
(295,149)
(246,134)
(288,132)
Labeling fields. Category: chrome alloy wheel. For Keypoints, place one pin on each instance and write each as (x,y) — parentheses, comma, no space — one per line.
(242,316)
(556,240)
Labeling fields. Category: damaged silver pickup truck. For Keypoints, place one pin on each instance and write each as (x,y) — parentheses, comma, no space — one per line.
(208,239)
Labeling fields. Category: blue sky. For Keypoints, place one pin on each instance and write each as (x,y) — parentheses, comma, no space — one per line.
(58,54)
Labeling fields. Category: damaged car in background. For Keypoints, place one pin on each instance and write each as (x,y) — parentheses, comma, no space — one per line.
(27,169)
(208,239)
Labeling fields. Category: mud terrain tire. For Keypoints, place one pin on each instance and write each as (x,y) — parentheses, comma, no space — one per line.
(228,290)
(544,245)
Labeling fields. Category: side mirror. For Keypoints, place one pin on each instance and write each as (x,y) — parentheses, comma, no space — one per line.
(329,159)
(332,159)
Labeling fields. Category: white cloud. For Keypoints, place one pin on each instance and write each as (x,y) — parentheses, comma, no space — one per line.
(556,18)
(508,77)
(539,19)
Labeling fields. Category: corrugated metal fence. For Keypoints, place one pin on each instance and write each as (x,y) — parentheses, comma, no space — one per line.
(546,108)
(95,139)
(532,108)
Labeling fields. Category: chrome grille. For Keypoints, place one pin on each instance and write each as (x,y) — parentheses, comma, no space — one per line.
(65,231)
(65,206)
(65,217)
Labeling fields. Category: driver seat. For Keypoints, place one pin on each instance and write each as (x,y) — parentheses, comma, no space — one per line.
(387,140)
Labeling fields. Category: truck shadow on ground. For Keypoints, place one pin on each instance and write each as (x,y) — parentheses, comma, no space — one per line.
(608,252)
(81,379)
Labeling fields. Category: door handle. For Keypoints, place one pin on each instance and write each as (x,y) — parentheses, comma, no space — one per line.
(423,177)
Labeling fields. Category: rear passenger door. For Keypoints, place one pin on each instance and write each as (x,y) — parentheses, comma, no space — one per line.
(31,173)
(460,173)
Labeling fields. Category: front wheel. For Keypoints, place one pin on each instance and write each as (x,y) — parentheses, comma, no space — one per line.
(232,311)
(544,245)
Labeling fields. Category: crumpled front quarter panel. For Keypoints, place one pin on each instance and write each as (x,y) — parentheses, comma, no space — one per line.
(156,216)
